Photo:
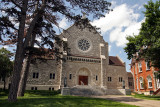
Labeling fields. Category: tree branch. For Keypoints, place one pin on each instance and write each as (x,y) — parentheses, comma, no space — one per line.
(16,4)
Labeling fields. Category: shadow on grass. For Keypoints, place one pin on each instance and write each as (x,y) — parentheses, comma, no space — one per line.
(124,99)
(62,101)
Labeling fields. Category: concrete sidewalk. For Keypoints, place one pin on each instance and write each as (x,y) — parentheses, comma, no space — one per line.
(131,100)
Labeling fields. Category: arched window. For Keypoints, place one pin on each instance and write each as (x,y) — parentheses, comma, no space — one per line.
(141,83)
(147,65)
(149,81)
(140,67)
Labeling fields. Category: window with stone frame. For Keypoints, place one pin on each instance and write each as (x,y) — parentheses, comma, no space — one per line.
(51,89)
(96,77)
(52,75)
(120,79)
(148,65)
(109,79)
(141,83)
(140,66)
(130,83)
(149,81)
(70,76)
(35,75)
(33,88)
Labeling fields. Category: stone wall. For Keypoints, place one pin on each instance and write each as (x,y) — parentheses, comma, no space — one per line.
(43,82)
(115,72)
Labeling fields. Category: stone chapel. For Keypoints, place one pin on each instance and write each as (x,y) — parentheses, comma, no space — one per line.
(87,65)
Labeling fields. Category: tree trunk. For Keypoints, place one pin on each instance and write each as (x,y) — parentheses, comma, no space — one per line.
(25,70)
(28,42)
(12,97)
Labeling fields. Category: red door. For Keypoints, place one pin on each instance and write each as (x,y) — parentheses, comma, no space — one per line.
(83,80)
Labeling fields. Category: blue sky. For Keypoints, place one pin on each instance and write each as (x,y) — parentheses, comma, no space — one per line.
(125,19)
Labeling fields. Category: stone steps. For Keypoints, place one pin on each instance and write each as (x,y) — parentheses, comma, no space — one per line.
(86,91)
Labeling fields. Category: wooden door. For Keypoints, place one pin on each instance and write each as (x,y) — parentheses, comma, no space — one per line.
(83,80)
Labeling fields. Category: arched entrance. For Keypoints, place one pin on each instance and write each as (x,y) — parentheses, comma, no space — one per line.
(83,76)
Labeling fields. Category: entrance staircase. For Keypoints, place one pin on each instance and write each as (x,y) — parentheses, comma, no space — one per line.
(87,90)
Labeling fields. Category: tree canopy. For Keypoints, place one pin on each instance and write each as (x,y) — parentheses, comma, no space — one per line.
(6,66)
(147,43)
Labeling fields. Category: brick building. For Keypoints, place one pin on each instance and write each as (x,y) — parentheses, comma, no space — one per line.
(144,76)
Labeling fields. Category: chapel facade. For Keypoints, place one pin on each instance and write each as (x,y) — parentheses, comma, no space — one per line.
(87,65)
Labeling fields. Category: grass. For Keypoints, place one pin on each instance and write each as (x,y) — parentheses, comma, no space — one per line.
(53,99)
(142,96)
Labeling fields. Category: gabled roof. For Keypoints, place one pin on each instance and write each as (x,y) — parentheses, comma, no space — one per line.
(116,61)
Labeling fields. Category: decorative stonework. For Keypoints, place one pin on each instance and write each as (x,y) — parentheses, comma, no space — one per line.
(83,44)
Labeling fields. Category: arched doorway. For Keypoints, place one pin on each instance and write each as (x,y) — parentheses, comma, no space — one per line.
(83,76)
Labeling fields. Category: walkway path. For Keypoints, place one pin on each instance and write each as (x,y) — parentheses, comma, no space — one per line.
(132,101)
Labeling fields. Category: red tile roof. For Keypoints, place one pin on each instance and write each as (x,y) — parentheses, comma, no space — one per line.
(114,60)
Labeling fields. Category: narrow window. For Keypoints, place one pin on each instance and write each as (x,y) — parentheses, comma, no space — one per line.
(120,79)
(37,74)
(70,76)
(49,88)
(50,75)
(52,89)
(149,81)
(34,75)
(35,88)
(32,88)
(53,75)
(109,79)
(141,83)
(148,65)
(130,83)
(96,77)
(140,67)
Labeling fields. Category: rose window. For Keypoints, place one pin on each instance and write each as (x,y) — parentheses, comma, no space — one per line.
(83,44)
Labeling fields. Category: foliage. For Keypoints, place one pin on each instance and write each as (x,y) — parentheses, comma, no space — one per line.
(34,100)
(6,66)
(147,43)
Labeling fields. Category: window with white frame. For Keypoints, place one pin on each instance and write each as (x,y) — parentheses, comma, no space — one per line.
(140,67)
(149,81)
(141,83)
(148,65)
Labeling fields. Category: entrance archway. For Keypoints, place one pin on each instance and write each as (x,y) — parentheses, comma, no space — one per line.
(83,76)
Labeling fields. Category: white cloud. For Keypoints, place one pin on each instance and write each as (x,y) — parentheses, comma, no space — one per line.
(120,23)
(109,48)
(63,23)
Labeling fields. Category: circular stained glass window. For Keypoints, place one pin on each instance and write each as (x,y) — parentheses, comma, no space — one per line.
(83,44)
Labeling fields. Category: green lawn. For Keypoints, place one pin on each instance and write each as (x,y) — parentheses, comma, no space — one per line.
(142,96)
(53,99)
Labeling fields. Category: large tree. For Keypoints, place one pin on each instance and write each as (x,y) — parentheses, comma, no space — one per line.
(22,19)
(6,66)
(147,43)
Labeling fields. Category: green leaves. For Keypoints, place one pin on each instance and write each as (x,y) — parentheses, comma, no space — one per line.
(6,66)
(147,43)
